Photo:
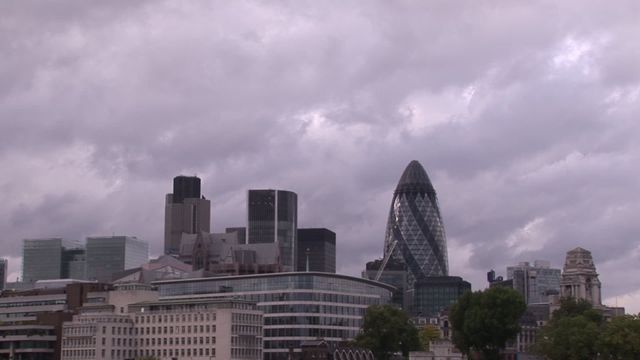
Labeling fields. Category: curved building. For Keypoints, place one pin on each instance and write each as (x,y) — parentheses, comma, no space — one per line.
(415,233)
(298,306)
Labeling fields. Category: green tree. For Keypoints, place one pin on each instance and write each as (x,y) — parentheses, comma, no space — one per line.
(572,333)
(428,334)
(387,330)
(484,321)
(620,339)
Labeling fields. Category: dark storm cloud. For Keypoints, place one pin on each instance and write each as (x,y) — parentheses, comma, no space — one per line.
(523,114)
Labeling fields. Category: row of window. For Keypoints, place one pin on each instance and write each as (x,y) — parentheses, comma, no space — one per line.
(128,354)
(171,318)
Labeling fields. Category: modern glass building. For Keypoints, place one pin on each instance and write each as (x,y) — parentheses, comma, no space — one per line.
(316,250)
(535,282)
(297,306)
(186,211)
(111,254)
(272,217)
(3,273)
(415,233)
(54,258)
(431,295)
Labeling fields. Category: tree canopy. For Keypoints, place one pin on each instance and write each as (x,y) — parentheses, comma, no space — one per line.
(484,321)
(387,330)
(578,332)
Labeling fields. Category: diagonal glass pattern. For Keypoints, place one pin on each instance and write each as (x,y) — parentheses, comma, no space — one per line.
(415,223)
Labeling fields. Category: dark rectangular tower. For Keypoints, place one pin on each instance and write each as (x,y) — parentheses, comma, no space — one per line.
(272,217)
(186,212)
(317,249)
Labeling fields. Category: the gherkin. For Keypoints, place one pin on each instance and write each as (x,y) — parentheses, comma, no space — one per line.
(415,226)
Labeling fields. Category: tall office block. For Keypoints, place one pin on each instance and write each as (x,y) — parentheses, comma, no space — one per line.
(186,211)
(535,282)
(316,250)
(3,273)
(431,295)
(415,233)
(273,218)
(54,258)
(111,254)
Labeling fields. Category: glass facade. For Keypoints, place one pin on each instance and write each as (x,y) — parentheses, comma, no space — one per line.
(108,255)
(47,259)
(415,226)
(273,218)
(297,306)
(317,248)
(434,294)
(536,282)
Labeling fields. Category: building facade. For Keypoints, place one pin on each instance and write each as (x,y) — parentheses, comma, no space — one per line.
(535,282)
(272,217)
(430,296)
(298,307)
(415,233)
(4,263)
(196,329)
(53,258)
(579,277)
(108,255)
(186,211)
(316,250)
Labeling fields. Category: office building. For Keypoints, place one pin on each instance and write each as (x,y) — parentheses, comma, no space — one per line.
(53,258)
(242,233)
(579,277)
(316,250)
(298,306)
(31,321)
(535,282)
(394,274)
(108,255)
(431,295)
(3,273)
(272,217)
(186,211)
(415,233)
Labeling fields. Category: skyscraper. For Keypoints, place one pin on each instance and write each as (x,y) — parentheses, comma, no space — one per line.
(186,211)
(415,233)
(107,255)
(316,250)
(272,217)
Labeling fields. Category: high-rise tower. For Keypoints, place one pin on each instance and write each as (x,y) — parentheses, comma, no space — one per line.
(186,211)
(272,217)
(415,234)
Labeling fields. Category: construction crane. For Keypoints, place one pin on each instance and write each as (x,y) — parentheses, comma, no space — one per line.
(386,260)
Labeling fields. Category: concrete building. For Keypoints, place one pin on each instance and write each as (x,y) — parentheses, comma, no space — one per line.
(4,263)
(442,349)
(272,217)
(52,258)
(108,255)
(535,282)
(186,212)
(31,321)
(194,329)
(579,277)
(298,306)
(316,250)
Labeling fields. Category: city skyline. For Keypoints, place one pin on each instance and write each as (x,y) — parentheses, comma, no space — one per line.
(523,114)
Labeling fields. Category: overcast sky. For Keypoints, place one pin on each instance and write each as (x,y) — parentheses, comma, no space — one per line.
(526,116)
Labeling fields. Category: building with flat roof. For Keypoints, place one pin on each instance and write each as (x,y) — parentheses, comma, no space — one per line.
(272,217)
(107,255)
(431,295)
(186,211)
(535,282)
(316,250)
(51,258)
(297,306)
(3,273)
